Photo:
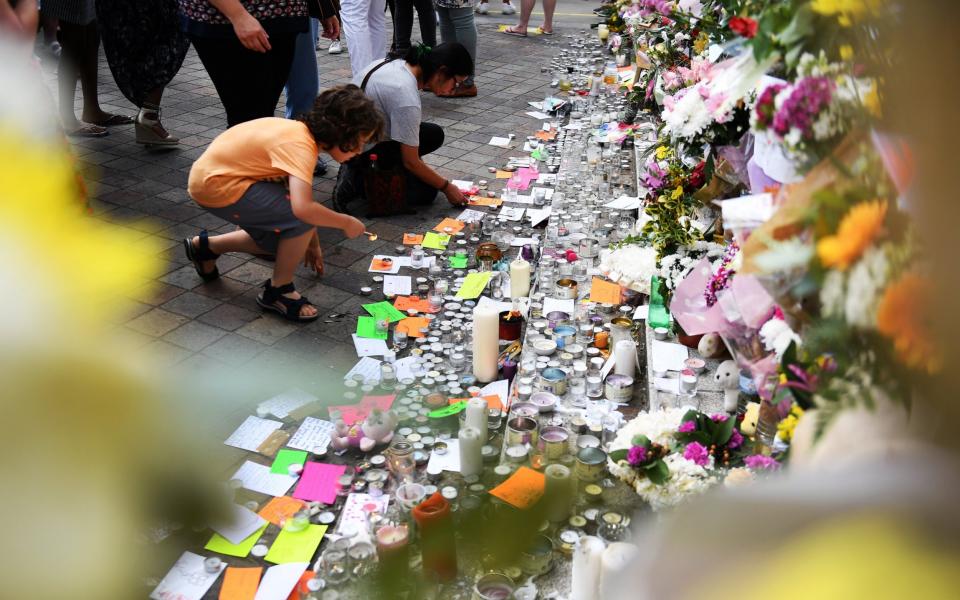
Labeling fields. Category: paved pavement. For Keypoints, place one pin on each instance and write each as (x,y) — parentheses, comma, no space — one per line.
(217,327)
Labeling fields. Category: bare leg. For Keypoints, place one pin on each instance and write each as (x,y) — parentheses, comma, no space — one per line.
(526,9)
(289,255)
(549,6)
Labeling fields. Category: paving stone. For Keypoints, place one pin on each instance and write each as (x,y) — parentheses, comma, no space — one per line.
(194,335)
(228,317)
(156,322)
(234,349)
(190,304)
(268,328)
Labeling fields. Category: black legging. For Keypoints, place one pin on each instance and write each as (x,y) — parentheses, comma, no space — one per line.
(78,59)
(249,83)
(402,11)
(388,155)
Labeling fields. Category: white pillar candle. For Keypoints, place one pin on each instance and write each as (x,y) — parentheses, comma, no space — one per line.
(471,459)
(625,357)
(519,278)
(612,564)
(486,342)
(585,584)
(476,416)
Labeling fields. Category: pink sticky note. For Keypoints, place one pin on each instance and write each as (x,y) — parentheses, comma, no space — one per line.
(358,412)
(318,483)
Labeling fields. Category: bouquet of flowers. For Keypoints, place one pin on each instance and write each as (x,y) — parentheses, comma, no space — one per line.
(675,267)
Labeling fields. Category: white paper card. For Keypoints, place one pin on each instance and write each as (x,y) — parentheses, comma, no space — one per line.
(471,216)
(537,215)
(500,142)
(522,199)
(369,347)
(279,581)
(667,384)
(394,267)
(522,241)
(607,366)
(552,304)
(547,178)
(536,114)
(462,184)
(258,478)
(757,208)
(500,388)
(446,462)
(368,368)
(512,213)
(668,356)
(624,203)
(187,579)
(252,433)
(641,313)
(353,517)
(394,285)
(405,367)
(282,405)
(547,192)
(312,435)
(239,524)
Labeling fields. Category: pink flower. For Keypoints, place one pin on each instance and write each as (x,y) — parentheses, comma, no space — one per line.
(759,462)
(736,440)
(697,452)
(671,80)
(636,455)
(718,417)
(687,427)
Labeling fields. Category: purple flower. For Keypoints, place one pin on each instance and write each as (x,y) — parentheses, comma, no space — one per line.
(697,452)
(759,462)
(809,96)
(650,7)
(718,417)
(687,427)
(736,440)
(636,455)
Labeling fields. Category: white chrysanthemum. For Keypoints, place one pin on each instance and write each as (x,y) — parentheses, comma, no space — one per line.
(867,278)
(776,335)
(659,425)
(832,293)
(633,265)
(687,478)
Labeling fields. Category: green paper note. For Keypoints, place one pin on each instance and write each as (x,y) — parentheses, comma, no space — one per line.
(296,546)
(285,458)
(447,411)
(367,328)
(458,262)
(473,285)
(435,241)
(222,545)
(384,310)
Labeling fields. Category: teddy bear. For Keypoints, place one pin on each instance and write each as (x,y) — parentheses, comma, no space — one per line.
(711,346)
(728,376)
(376,429)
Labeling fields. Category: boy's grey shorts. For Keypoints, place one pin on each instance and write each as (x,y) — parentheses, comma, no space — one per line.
(265,212)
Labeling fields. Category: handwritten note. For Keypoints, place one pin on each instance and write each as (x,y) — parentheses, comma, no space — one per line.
(353,516)
(296,546)
(258,478)
(222,545)
(252,432)
(394,285)
(366,368)
(369,347)
(384,310)
(313,434)
(319,482)
(279,581)
(667,356)
(449,461)
(279,509)
(604,292)
(473,285)
(557,304)
(522,489)
(287,457)
(512,213)
(283,404)
(471,216)
(358,412)
(240,583)
(187,579)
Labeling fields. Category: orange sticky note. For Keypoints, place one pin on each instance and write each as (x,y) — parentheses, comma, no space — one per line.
(547,136)
(300,591)
(478,201)
(240,583)
(279,509)
(493,401)
(452,224)
(412,239)
(604,292)
(380,264)
(501,174)
(413,325)
(522,489)
(405,303)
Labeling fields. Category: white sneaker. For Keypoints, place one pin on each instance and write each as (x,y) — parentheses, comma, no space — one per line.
(508,9)
(335,47)
(483,8)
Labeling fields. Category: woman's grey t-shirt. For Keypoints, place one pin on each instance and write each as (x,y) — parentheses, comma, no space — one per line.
(394,90)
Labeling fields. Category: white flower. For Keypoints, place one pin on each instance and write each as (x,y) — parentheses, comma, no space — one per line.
(866,279)
(693,7)
(832,293)
(634,263)
(777,336)
(687,478)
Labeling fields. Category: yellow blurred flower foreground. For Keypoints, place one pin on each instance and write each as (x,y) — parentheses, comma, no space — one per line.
(857,230)
(903,316)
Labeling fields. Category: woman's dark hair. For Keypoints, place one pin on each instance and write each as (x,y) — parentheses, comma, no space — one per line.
(341,116)
(450,59)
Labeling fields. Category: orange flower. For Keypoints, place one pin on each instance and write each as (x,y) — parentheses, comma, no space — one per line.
(904,317)
(857,229)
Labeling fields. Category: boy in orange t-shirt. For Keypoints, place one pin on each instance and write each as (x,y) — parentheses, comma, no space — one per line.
(259,176)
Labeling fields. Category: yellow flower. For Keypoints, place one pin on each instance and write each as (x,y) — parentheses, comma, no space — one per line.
(857,230)
(846,52)
(677,193)
(662,152)
(700,45)
(786,426)
(904,316)
(846,10)
(871,101)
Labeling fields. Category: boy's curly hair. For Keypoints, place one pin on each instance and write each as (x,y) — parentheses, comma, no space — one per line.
(341,116)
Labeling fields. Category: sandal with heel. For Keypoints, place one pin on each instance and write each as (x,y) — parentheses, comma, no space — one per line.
(291,308)
(200,253)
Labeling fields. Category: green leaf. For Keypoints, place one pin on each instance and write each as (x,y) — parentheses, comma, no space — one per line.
(657,472)
(692,415)
(724,430)
(640,440)
(618,455)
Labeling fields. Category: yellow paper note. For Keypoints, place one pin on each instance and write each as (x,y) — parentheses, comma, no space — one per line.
(296,546)
(523,489)
(473,285)
(220,544)
(478,201)
(240,583)
(501,174)
(435,241)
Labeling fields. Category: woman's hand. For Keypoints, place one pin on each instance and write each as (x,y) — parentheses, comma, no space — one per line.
(251,33)
(454,195)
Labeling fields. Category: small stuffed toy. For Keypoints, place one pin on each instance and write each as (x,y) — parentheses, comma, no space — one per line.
(376,429)
(711,346)
(728,376)
(751,416)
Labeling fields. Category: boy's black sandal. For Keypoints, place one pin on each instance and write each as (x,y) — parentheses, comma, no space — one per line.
(201,253)
(291,308)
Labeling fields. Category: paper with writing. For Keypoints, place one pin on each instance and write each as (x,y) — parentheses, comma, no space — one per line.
(353,515)
(405,367)
(557,304)
(435,241)
(352,413)
(319,482)
(186,580)
(470,216)
(258,478)
(512,213)
(296,546)
(500,388)
(412,325)
(381,263)
(412,302)
(367,368)
(252,432)
(449,461)
(312,434)
(283,404)
(494,202)
(538,215)
(412,239)
(500,142)
(667,356)
(394,285)
(280,580)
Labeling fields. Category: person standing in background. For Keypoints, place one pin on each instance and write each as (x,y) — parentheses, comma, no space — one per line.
(457,25)
(403,24)
(364,26)
(144,48)
(247,48)
(526,9)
